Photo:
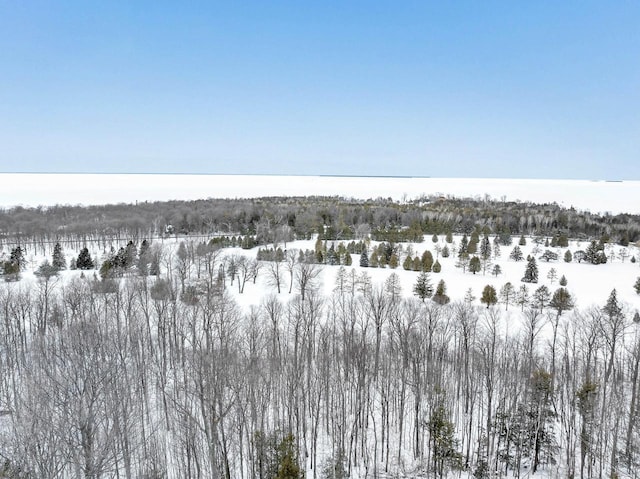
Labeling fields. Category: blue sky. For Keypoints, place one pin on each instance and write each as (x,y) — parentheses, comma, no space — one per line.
(446,89)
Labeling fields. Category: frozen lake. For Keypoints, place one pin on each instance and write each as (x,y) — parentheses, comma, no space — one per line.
(30,189)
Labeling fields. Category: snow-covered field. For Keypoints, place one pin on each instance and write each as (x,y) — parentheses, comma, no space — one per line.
(589,284)
(49,189)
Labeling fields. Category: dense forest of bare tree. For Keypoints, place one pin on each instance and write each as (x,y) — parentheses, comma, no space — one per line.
(145,377)
(331,217)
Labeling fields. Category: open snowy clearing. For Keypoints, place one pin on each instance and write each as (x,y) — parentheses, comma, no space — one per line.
(588,284)
(50,189)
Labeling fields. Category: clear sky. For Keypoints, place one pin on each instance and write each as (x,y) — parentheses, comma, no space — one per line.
(539,89)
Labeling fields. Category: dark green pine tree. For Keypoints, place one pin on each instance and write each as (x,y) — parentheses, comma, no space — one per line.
(561,300)
(364,259)
(637,285)
(17,258)
(84,260)
(332,256)
(594,253)
(131,255)
(531,272)
(485,248)
(475,265)
(516,254)
(144,258)
(440,297)
(443,442)
(58,261)
(613,309)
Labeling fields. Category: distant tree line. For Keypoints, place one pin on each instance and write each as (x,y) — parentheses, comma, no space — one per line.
(279,219)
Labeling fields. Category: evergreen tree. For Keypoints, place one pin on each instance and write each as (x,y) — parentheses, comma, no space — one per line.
(449,237)
(489,296)
(144,247)
(84,260)
(485,248)
(364,259)
(594,253)
(422,288)
(496,270)
(531,272)
(130,255)
(57,260)
(107,269)
(496,250)
(348,260)
(504,236)
(523,241)
(16,258)
(393,261)
(46,270)
(437,267)
(440,296)
(561,301)
(417,264)
(549,255)
(445,251)
(636,286)
(472,247)
(407,264)
(463,251)
(474,265)
(332,256)
(434,238)
(427,261)
(516,254)
(563,280)
(568,257)
(373,259)
(443,442)
(288,467)
(613,309)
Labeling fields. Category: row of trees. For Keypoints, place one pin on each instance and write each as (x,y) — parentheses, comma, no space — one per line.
(265,220)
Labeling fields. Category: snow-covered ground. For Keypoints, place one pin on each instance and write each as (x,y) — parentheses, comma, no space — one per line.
(49,189)
(589,284)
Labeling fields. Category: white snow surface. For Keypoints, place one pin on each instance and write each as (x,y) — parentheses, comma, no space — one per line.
(588,284)
(39,189)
